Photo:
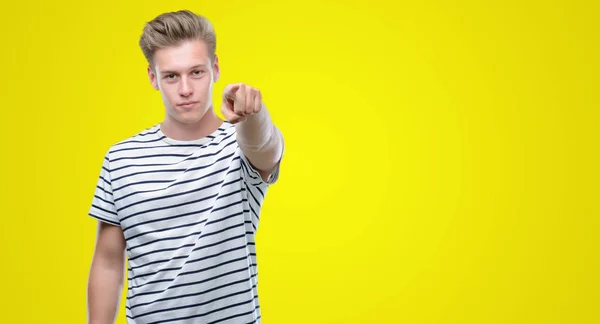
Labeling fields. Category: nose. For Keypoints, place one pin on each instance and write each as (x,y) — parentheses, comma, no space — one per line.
(185,88)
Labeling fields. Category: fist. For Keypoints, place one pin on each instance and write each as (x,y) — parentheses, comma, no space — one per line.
(239,101)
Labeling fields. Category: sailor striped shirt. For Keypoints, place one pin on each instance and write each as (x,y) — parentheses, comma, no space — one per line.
(189,211)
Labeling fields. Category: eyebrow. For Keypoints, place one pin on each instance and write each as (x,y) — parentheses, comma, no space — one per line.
(192,68)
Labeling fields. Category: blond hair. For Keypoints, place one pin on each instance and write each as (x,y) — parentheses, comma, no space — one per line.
(173,28)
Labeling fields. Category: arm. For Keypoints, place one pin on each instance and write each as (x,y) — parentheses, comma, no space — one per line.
(107,274)
(259,139)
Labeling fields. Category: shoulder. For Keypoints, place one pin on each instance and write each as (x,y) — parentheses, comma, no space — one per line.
(144,138)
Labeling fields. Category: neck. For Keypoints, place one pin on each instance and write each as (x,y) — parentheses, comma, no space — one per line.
(177,130)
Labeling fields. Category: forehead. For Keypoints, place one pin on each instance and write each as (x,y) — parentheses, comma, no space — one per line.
(181,56)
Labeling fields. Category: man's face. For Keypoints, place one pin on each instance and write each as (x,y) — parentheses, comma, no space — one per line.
(185,76)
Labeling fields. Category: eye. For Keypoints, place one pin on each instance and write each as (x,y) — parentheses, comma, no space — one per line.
(197,73)
(171,76)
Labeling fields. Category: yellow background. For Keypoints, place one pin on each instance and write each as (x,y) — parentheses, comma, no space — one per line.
(441,157)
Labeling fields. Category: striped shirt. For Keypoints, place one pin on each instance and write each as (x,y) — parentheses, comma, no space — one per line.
(189,211)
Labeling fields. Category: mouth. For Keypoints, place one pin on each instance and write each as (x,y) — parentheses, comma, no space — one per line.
(188,104)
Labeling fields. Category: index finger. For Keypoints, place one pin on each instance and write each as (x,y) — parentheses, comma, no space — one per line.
(230,90)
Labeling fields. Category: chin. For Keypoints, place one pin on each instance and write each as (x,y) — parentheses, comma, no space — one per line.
(189,120)
(190,117)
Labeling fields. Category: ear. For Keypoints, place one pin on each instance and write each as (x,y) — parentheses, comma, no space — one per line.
(152,77)
(216,70)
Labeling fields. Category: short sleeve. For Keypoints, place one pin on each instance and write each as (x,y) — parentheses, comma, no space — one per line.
(254,178)
(103,205)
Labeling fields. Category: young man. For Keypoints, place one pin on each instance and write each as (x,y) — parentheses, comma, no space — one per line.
(182,199)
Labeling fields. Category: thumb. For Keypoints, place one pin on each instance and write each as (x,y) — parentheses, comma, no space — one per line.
(231,116)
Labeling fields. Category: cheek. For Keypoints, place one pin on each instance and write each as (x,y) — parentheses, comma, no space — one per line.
(205,86)
(169,95)
(207,81)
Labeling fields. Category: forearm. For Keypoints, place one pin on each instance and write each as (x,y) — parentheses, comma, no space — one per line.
(105,286)
(260,140)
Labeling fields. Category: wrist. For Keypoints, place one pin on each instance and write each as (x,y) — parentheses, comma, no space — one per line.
(256,131)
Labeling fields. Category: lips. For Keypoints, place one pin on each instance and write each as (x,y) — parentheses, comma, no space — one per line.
(187,104)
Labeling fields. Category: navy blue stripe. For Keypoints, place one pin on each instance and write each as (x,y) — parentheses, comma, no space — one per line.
(251,172)
(167,228)
(144,165)
(101,177)
(134,141)
(182,182)
(164,239)
(248,222)
(105,169)
(108,192)
(233,203)
(190,159)
(255,184)
(237,315)
(155,140)
(248,172)
(253,226)
(225,184)
(180,215)
(186,214)
(185,256)
(158,129)
(161,250)
(225,218)
(213,311)
(205,235)
(204,291)
(172,195)
(158,147)
(231,193)
(253,212)
(144,182)
(106,201)
(195,305)
(149,131)
(174,170)
(188,284)
(252,195)
(168,207)
(104,210)
(186,263)
(199,146)
(104,219)
(144,172)
(151,273)
(254,321)
(260,191)
(189,272)
(186,245)
(185,236)
(151,156)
